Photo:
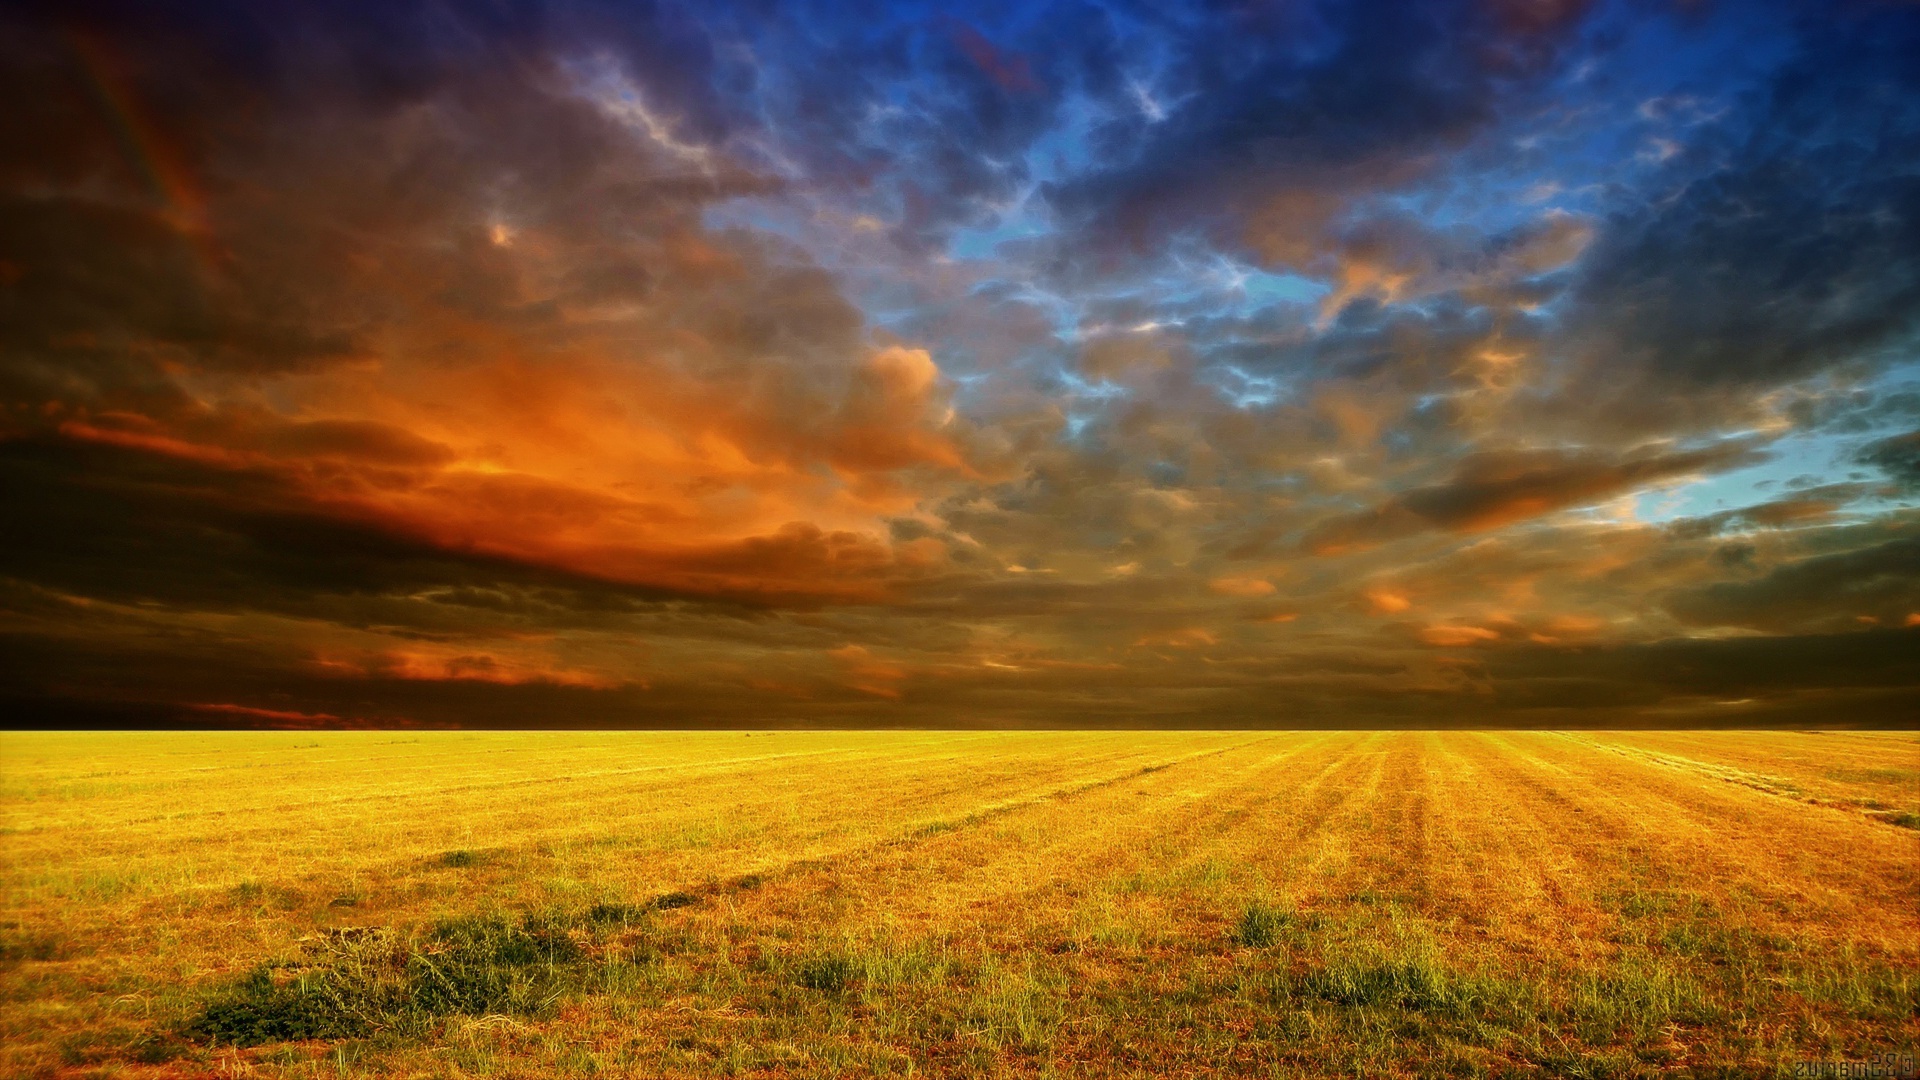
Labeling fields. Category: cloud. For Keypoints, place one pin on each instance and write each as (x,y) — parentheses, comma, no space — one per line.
(617,390)
(1781,241)
(1869,678)
(1293,113)
(1804,507)
(1494,489)
(1245,587)
(1898,456)
(1448,636)
(1879,584)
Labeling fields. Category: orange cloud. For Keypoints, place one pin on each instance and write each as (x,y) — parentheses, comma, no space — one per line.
(1247,587)
(1455,636)
(1191,637)
(274,717)
(429,664)
(1387,602)
(633,453)
(869,674)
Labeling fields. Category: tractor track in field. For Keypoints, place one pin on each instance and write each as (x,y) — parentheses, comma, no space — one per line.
(675,771)
(1773,786)
(918,833)
(977,818)
(757,876)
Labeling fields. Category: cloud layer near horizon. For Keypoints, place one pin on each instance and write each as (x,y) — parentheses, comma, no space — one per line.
(1477,362)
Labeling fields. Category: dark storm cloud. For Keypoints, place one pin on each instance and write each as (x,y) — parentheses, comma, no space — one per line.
(112,266)
(1875,585)
(376,55)
(132,528)
(1866,678)
(1785,238)
(93,279)
(1803,507)
(1494,489)
(211,681)
(1288,112)
(1898,456)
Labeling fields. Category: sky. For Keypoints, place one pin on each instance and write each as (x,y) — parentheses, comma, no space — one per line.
(1292,363)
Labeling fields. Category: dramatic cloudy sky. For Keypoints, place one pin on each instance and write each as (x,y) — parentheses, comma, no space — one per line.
(1286,363)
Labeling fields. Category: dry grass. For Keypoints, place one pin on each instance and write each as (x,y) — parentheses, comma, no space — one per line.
(1290,904)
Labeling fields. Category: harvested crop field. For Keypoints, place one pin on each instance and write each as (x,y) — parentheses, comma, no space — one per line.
(958,904)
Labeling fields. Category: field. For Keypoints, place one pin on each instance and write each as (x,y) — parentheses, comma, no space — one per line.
(958,904)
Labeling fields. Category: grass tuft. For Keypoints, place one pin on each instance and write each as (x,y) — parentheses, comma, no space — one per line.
(1641,995)
(153,1048)
(489,964)
(1261,925)
(829,972)
(609,914)
(1411,983)
(262,1009)
(359,980)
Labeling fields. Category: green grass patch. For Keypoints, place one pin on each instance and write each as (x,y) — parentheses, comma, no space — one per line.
(828,972)
(1262,925)
(1409,983)
(355,982)
(616,914)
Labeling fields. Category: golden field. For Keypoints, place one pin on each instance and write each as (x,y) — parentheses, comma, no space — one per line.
(957,904)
